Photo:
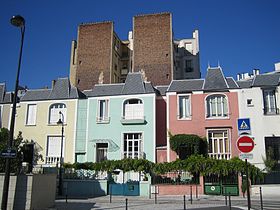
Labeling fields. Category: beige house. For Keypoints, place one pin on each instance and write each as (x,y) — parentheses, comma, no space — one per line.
(38,113)
(5,106)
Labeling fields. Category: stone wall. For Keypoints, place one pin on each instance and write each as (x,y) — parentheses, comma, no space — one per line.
(30,191)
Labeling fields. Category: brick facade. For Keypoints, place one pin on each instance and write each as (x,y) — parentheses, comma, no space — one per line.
(153,47)
(94,54)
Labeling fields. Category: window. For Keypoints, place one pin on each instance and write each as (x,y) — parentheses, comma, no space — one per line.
(184,107)
(250,102)
(103,111)
(54,149)
(219,144)
(101,152)
(217,106)
(132,145)
(270,102)
(54,113)
(189,66)
(133,109)
(31,114)
(272,148)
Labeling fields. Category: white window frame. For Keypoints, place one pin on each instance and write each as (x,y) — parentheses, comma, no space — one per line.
(105,118)
(34,112)
(134,114)
(54,113)
(268,108)
(218,154)
(225,114)
(55,159)
(133,153)
(178,107)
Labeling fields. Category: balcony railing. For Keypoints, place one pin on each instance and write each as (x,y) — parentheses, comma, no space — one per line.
(270,111)
(53,161)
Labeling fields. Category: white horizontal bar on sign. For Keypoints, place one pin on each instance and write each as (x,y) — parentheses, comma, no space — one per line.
(246,144)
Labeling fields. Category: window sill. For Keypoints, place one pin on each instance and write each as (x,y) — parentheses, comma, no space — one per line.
(56,124)
(184,119)
(27,125)
(103,122)
(217,118)
(133,121)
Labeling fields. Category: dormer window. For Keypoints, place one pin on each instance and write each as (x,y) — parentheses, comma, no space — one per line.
(217,106)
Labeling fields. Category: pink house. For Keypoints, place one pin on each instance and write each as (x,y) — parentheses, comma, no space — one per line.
(205,107)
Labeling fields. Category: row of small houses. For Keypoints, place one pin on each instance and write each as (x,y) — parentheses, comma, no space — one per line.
(135,119)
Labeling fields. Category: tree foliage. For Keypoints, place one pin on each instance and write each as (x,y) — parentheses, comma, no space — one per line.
(15,163)
(195,164)
(186,145)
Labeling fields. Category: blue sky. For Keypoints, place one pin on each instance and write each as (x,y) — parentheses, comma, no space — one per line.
(241,35)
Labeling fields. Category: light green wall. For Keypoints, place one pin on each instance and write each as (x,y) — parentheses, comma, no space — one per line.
(114,129)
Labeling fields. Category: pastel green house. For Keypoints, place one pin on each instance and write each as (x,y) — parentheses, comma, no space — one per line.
(117,121)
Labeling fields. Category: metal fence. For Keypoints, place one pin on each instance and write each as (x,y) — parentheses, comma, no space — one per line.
(176,177)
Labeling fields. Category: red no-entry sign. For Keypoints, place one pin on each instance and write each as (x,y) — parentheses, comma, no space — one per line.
(245,144)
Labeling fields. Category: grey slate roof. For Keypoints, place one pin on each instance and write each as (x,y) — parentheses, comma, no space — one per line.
(185,85)
(266,80)
(162,90)
(215,80)
(60,90)
(244,83)
(231,82)
(134,84)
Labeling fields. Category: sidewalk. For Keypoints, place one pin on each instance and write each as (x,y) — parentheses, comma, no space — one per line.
(140,203)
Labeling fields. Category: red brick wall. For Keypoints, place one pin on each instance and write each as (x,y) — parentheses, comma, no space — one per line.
(93,54)
(152,45)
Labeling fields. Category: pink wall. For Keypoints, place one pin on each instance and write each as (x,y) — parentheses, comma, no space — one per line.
(198,124)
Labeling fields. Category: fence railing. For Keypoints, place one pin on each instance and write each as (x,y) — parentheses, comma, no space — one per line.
(178,178)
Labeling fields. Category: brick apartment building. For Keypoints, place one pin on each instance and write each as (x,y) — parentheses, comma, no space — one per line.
(99,56)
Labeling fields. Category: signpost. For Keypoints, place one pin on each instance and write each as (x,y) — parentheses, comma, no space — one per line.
(245,144)
(244,126)
(8,153)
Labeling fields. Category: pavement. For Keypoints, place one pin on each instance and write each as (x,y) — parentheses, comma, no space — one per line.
(165,202)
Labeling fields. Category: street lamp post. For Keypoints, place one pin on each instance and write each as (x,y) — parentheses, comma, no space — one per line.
(61,122)
(17,21)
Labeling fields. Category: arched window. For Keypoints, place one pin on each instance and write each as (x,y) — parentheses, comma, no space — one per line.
(54,113)
(133,109)
(217,106)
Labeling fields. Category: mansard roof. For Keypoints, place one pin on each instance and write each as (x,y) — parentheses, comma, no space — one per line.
(187,85)
(266,80)
(214,81)
(133,85)
(270,79)
(61,89)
